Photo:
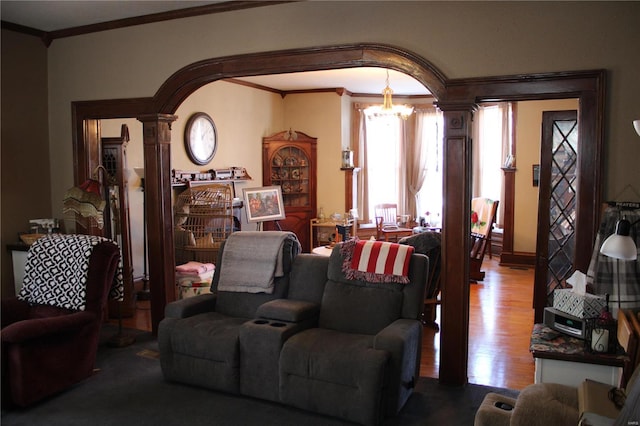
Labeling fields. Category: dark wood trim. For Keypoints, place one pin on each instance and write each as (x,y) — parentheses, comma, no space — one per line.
(348,188)
(5,25)
(517,259)
(221,7)
(555,85)
(456,222)
(190,78)
(282,93)
(156,131)
(540,291)
(509,209)
(457,97)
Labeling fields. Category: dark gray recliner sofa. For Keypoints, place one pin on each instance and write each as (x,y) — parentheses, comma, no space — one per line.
(199,336)
(362,361)
(328,344)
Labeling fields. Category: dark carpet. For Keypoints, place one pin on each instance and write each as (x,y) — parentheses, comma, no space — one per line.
(128,389)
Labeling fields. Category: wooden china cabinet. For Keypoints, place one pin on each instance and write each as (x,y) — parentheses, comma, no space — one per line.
(289,160)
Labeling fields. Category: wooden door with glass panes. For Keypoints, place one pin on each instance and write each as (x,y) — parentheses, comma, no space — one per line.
(118,226)
(289,160)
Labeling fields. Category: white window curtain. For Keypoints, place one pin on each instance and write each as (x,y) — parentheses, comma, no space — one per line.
(492,144)
(385,146)
(359,138)
(429,196)
(393,159)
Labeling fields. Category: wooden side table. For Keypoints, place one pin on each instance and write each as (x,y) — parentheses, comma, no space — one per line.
(320,231)
(560,358)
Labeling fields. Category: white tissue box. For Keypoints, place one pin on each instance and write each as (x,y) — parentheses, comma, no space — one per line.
(578,305)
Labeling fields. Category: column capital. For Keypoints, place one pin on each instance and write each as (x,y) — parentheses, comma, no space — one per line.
(166,118)
(156,128)
(457,106)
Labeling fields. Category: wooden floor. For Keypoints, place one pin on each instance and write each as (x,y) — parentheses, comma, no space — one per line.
(500,323)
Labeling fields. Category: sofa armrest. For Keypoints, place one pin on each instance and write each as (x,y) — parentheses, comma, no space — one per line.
(190,306)
(35,328)
(13,310)
(403,340)
(288,310)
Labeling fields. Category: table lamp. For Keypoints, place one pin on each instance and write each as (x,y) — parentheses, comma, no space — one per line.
(620,245)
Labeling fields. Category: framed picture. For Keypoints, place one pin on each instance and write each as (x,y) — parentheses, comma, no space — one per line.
(263,204)
(536,174)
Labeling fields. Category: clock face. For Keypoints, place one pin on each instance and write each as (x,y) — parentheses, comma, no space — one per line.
(200,138)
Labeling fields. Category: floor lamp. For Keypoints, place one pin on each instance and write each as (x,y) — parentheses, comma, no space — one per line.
(144,294)
(87,201)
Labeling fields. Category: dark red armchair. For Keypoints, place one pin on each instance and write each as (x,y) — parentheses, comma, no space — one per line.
(46,349)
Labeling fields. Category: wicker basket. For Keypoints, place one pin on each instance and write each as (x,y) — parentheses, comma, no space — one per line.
(29,239)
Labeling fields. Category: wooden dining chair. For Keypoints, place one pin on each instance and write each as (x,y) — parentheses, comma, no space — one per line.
(387,228)
(627,334)
(483,216)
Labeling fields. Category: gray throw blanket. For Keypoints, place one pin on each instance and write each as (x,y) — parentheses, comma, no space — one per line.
(251,260)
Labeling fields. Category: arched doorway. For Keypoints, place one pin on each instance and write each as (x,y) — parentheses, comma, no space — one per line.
(457,98)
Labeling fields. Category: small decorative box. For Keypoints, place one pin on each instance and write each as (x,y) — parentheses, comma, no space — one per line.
(194,289)
(578,305)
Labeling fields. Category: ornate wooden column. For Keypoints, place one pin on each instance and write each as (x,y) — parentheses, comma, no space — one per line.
(156,129)
(509,214)
(456,225)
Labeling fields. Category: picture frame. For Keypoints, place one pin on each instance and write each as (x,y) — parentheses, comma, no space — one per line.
(263,204)
(536,174)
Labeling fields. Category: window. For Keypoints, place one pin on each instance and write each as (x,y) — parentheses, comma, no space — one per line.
(490,151)
(386,151)
(430,194)
(383,160)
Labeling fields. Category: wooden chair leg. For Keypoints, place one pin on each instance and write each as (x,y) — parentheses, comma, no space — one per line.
(428,316)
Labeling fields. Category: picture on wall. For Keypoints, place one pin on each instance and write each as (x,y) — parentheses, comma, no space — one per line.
(263,204)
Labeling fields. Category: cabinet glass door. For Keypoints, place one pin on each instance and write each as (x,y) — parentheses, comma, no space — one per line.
(290,170)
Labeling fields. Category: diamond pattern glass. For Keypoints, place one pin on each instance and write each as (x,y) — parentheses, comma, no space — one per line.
(563,204)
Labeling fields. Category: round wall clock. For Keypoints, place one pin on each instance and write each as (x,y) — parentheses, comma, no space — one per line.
(200,138)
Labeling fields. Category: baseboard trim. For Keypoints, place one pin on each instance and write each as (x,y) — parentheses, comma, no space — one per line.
(518,259)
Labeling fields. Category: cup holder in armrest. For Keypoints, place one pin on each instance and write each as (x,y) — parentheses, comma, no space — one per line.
(267,322)
(504,406)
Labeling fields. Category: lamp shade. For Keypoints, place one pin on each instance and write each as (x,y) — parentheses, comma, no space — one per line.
(86,201)
(620,245)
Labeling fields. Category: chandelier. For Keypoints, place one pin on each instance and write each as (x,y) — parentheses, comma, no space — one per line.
(387,108)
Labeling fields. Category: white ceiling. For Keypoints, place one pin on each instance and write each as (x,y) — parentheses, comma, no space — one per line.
(52,15)
(367,80)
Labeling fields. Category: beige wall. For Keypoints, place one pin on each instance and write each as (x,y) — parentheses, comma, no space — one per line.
(528,138)
(461,39)
(26,171)
(319,115)
(242,117)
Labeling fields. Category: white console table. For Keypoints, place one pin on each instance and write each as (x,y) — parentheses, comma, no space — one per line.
(564,360)
(18,260)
